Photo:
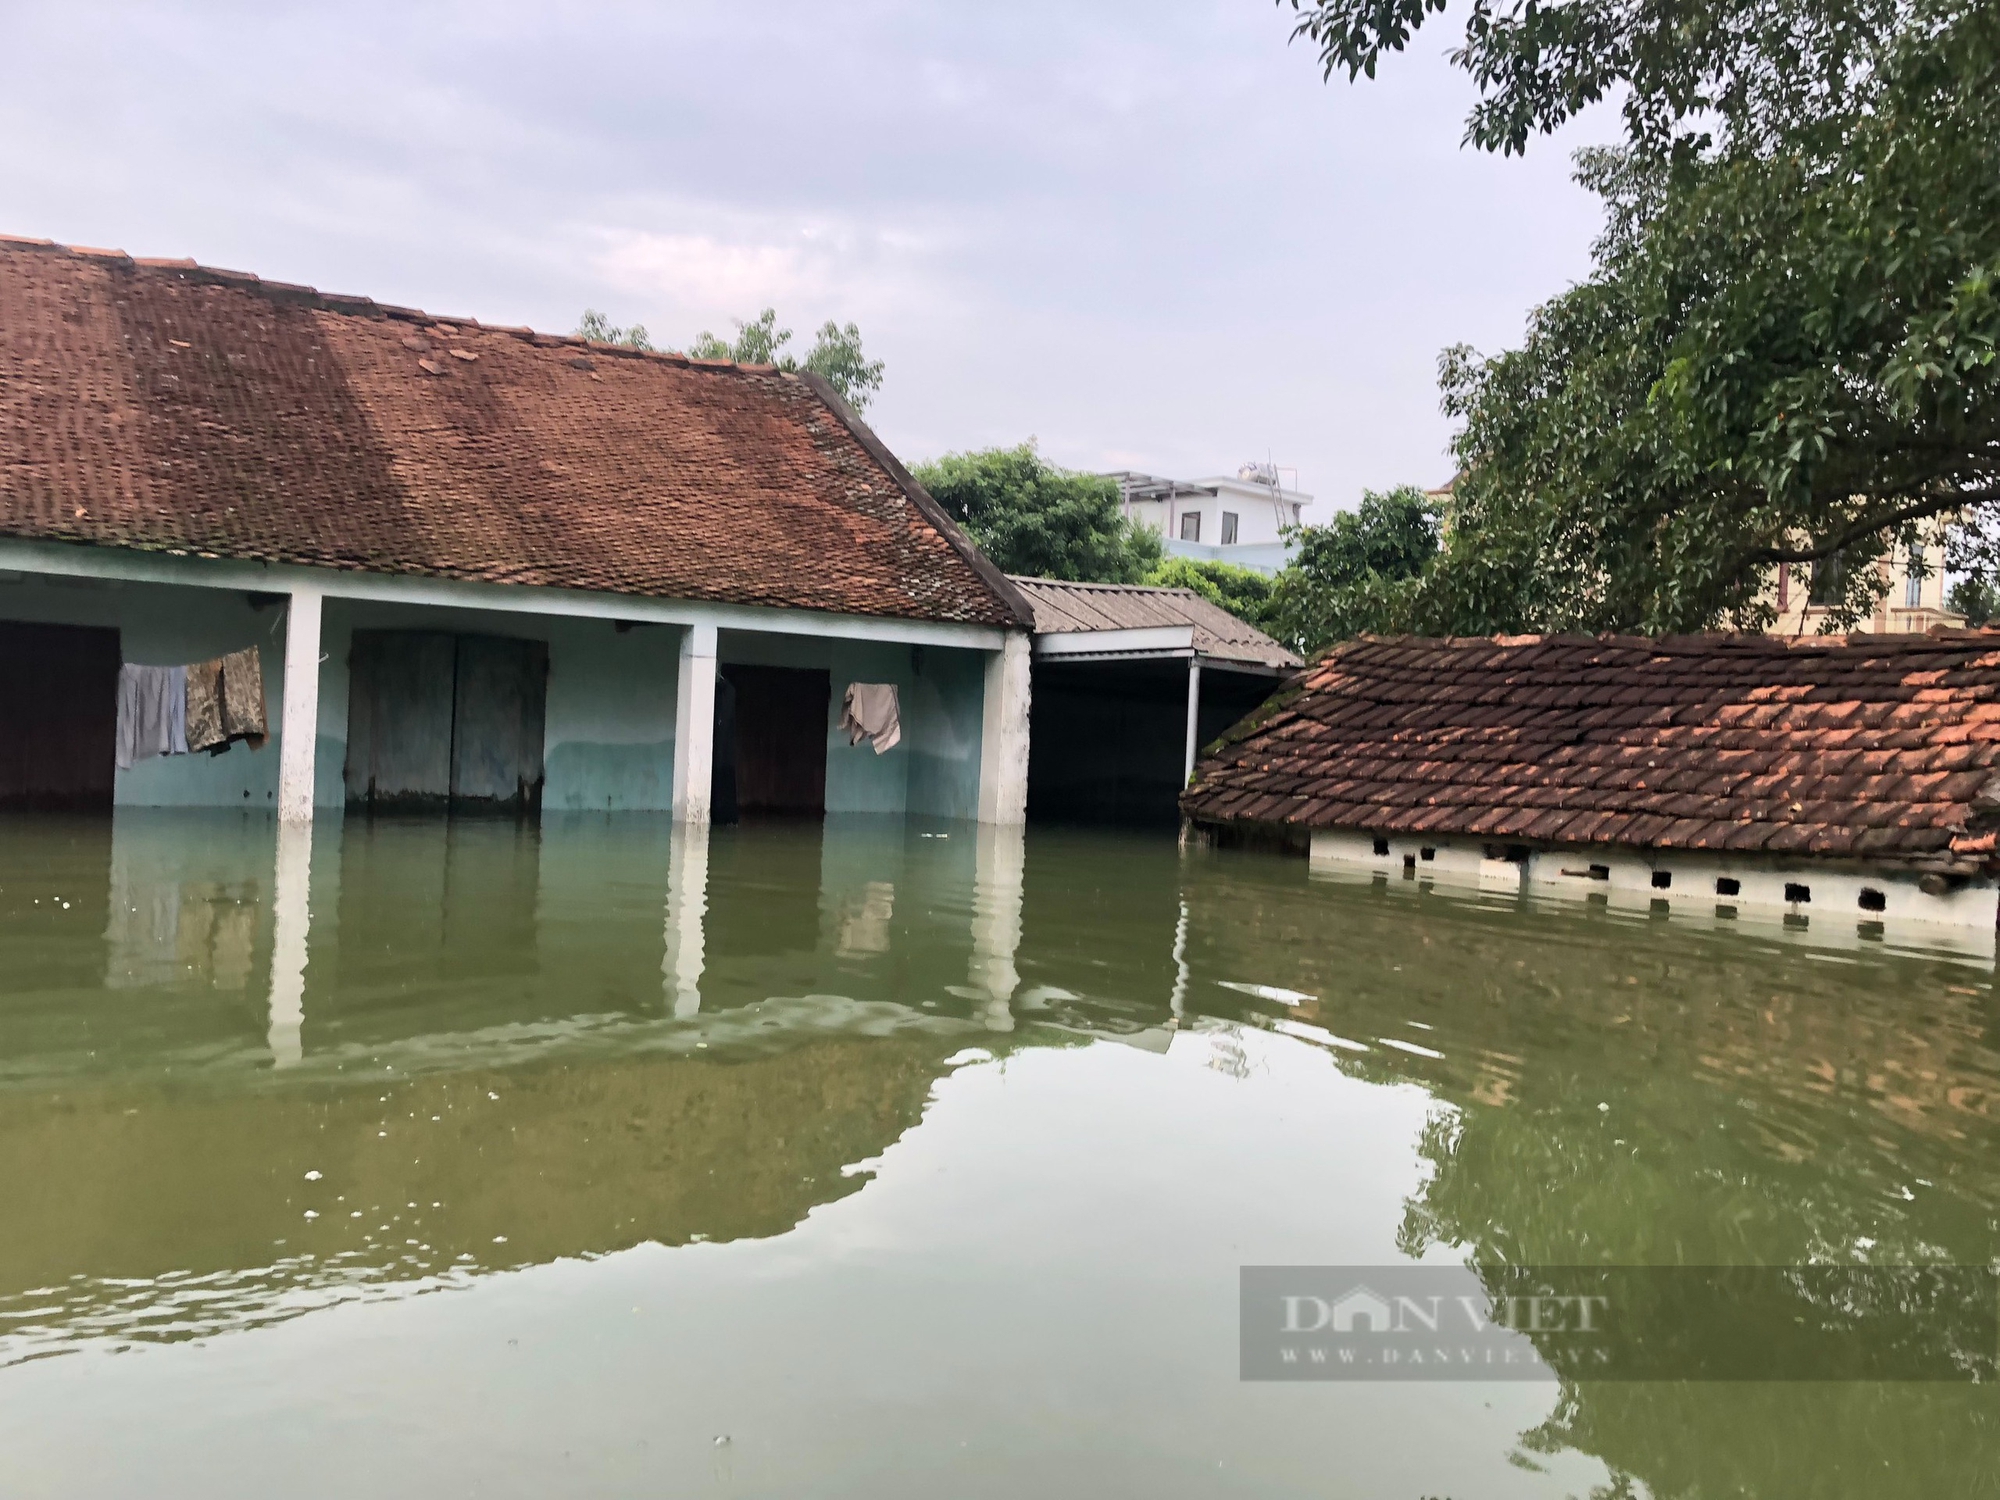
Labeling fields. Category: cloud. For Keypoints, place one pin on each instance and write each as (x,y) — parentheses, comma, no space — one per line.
(1144,229)
(700,272)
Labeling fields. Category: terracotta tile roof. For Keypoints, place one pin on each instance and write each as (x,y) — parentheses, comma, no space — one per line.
(1877,747)
(1060,607)
(164,406)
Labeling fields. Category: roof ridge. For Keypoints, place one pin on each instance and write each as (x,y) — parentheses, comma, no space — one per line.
(358,306)
(1147,588)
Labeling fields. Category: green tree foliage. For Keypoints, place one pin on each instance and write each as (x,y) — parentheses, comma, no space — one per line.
(1033,518)
(1786,349)
(1361,572)
(1244,592)
(596,326)
(1976,599)
(835,355)
(1751,67)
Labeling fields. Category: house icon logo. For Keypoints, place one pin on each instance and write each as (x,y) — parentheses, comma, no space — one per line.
(1360,1310)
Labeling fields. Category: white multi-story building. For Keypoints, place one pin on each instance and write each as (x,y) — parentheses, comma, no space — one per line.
(1234,520)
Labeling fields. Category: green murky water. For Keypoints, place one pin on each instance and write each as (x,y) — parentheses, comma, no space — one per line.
(889,1160)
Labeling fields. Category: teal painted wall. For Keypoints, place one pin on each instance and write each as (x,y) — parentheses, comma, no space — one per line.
(943,716)
(610,743)
(935,770)
(609,740)
(610,727)
(167,627)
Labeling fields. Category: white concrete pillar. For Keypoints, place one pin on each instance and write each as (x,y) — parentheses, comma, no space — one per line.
(1193,719)
(298,730)
(999,863)
(1003,747)
(694,726)
(687,909)
(291,921)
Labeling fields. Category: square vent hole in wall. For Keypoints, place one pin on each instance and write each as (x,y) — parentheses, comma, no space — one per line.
(1663,880)
(1381,848)
(1873,900)
(1797,894)
(1728,885)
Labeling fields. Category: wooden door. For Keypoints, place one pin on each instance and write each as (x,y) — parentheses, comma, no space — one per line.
(59,699)
(781,737)
(399,712)
(498,723)
(437,721)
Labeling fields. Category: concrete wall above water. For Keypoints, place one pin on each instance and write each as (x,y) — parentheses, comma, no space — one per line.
(1687,881)
(935,770)
(610,717)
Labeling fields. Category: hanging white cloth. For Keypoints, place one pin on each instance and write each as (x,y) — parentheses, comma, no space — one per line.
(870,712)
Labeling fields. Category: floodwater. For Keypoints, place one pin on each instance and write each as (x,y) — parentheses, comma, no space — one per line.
(887,1160)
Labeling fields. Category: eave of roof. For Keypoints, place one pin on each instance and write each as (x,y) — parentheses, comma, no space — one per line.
(1063,607)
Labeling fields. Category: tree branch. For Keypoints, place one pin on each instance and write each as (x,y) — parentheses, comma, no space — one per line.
(1919,510)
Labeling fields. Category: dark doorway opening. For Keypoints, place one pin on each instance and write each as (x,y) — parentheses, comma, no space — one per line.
(1109,740)
(722,806)
(445,722)
(60,685)
(777,758)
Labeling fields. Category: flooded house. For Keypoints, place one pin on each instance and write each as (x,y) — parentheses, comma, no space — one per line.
(1129,680)
(408,561)
(1828,780)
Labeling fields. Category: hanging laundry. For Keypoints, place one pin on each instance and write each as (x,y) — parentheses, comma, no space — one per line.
(243,696)
(177,702)
(204,705)
(870,712)
(225,702)
(152,713)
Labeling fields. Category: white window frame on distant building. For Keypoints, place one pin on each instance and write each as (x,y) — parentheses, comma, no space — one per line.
(1913,583)
(1191,526)
(1229,528)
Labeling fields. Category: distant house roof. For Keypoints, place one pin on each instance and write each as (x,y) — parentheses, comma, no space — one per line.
(164,406)
(1062,608)
(1878,747)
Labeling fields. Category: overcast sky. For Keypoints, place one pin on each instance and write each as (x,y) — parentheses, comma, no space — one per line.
(1143,231)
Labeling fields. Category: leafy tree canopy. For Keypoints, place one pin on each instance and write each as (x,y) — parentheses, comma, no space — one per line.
(1360,572)
(1786,349)
(1748,68)
(1033,518)
(835,356)
(596,326)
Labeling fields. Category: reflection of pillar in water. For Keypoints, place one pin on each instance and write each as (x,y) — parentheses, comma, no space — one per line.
(687,906)
(1177,1002)
(291,921)
(996,920)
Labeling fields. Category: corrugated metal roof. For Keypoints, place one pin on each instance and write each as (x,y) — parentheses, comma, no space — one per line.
(1063,608)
